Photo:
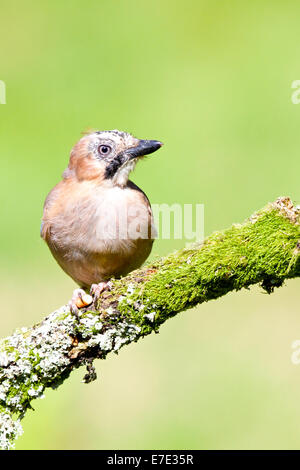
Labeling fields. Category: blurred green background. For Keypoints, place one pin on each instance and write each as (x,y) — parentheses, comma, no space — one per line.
(212,80)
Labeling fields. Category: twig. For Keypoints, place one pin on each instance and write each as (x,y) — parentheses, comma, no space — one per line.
(265,249)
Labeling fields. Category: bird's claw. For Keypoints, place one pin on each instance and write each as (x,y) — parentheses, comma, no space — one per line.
(79,300)
(97,289)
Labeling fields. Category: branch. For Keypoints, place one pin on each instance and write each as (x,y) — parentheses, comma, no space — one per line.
(265,249)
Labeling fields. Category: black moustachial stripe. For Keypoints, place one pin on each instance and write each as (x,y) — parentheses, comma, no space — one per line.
(114,165)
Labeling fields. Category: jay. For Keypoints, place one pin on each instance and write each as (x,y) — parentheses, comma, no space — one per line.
(97,223)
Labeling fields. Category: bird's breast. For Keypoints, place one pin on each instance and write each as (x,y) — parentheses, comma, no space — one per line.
(96,233)
(105,219)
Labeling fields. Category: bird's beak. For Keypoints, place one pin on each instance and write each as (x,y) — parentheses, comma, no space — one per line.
(144,147)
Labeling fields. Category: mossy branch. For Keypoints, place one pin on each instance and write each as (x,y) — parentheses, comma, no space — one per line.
(265,249)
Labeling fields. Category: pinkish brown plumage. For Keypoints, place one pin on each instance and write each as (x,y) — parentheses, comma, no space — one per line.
(96,222)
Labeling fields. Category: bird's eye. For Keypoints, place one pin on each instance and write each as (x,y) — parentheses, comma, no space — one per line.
(104,149)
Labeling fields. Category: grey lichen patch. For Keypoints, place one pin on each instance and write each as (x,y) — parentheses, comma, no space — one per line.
(115,337)
(285,205)
(91,324)
(34,359)
(150,316)
(10,430)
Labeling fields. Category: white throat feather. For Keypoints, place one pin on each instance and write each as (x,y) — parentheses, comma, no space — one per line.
(122,175)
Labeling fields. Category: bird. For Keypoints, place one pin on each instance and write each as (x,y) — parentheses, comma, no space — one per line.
(97,223)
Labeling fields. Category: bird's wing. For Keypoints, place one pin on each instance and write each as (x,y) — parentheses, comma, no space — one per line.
(147,202)
(135,187)
(50,201)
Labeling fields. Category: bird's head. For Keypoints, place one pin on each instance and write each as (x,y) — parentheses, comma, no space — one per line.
(108,155)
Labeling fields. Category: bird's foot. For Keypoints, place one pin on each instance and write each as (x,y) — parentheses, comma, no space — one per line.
(97,289)
(79,300)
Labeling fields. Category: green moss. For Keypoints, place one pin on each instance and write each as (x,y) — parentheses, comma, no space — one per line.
(263,250)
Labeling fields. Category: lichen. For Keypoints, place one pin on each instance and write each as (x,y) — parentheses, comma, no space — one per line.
(10,430)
